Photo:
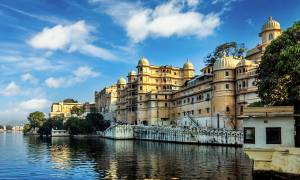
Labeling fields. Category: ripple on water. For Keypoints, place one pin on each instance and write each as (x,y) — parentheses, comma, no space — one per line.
(63,158)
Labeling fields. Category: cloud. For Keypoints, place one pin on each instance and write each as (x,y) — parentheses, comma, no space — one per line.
(79,75)
(29,78)
(250,22)
(35,104)
(23,63)
(172,18)
(49,19)
(73,37)
(17,112)
(11,89)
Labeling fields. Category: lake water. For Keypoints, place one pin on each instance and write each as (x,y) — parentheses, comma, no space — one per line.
(29,157)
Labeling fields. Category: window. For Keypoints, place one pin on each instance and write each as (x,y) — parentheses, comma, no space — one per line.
(271,37)
(249,135)
(227,86)
(199,111)
(166,104)
(141,97)
(227,109)
(273,135)
(155,96)
(241,109)
(166,97)
(141,88)
(226,73)
(207,110)
(141,78)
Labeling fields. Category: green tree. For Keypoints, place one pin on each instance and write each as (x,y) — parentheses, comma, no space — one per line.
(26,128)
(46,128)
(226,49)
(69,100)
(278,77)
(1,127)
(57,122)
(75,126)
(96,122)
(9,127)
(77,110)
(36,119)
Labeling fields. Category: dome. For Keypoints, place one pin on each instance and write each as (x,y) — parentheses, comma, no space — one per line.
(271,25)
(244,62)
(188,65)
(225,63)
(143,61)
(132,73)
(121,81)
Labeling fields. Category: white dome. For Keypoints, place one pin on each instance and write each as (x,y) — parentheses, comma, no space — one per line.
(121,81)
(271,25)
(143,61)
(225,63)
(188,65)
(132,73)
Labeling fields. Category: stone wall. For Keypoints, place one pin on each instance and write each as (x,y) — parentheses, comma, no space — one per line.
(281,160)
(179,135)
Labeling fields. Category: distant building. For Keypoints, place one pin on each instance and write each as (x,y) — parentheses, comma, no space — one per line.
(89,108)
(105,102)
(62,109)
(167,95)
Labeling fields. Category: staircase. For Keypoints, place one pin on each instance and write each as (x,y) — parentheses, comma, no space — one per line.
(193,121)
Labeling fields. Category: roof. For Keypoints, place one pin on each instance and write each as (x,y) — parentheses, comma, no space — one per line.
(226,62)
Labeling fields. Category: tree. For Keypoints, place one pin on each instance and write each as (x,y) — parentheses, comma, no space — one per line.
(57,122)
(77,110)
(227,49)
(1,127)
(26,128)
(36,119)
(75,126)
(9,127)
(69,100)
(278,79)
(46,128)
(96,122)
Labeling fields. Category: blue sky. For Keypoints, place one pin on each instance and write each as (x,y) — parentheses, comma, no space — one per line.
(52,50)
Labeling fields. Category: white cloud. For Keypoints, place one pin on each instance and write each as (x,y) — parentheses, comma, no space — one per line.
(18,112)
(35,104)
(29,78)
(23,63)
(11,89)
(193,3)
(79,75)
(165,20)
(73,37)
(55,82)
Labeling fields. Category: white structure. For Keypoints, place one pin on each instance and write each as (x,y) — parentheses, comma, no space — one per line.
(268,127)
(59,133)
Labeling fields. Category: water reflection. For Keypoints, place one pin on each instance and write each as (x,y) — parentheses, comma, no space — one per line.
(64,158)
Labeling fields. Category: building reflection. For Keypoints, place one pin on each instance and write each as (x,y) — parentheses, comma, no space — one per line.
(60,154)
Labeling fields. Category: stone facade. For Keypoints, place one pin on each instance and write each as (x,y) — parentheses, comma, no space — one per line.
(62,109)
(175,96)
(105,102)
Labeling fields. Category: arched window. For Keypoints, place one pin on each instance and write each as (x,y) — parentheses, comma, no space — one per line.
(227,109)
(271,37)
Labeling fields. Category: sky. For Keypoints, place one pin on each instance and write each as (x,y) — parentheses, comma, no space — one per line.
(53,50)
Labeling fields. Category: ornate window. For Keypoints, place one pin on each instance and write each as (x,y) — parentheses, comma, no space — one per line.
(271,37)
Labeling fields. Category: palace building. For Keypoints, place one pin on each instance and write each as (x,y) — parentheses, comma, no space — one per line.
(175,96)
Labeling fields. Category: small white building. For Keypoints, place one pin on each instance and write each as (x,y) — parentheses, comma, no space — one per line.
(59,133)
(269,127)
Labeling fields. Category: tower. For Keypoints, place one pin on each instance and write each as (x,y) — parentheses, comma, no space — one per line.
(270,31)
(223,99)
